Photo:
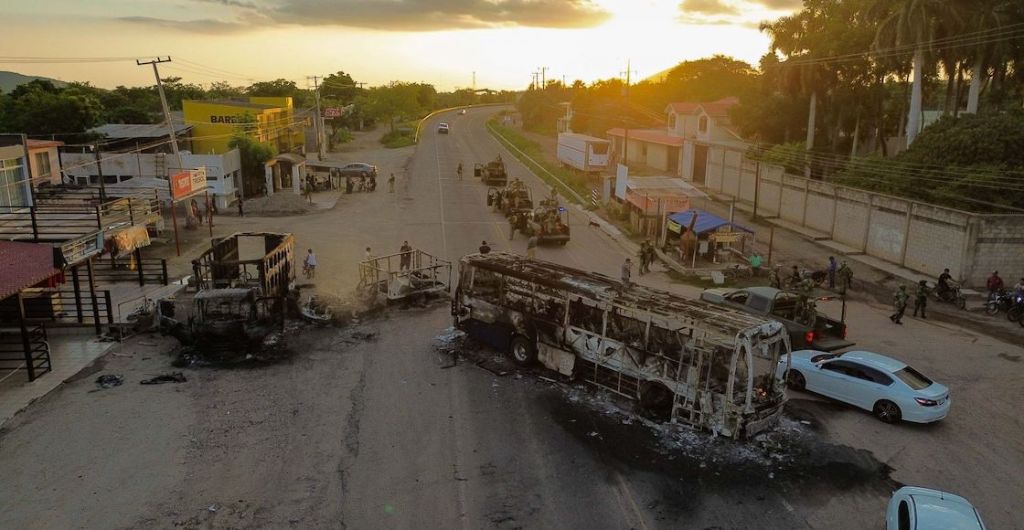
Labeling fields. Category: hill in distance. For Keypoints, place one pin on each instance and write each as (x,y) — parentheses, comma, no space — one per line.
(10,80)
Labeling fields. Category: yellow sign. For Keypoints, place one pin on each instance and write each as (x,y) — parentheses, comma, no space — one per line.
(727,237)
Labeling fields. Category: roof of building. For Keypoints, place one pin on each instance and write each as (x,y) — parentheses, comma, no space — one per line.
(23,265)
(717,109)
(654,136)
(43,144)
(139,130)
(706,221)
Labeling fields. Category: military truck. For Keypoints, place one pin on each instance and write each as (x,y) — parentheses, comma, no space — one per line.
(492,173)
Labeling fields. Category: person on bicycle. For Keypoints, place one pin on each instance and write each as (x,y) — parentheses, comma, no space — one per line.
(459,170)
(309,264)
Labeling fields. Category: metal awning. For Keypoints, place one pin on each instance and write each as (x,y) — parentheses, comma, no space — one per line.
(23,265)
(706,222)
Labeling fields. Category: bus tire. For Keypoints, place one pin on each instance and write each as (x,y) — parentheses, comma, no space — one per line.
(656,401)
(522,351)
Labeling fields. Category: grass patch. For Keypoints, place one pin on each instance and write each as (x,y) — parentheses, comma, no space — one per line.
(530,153)
(400,137)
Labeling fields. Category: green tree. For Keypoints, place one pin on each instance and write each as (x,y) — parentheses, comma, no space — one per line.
(39,108)
(254,155)
(394,101)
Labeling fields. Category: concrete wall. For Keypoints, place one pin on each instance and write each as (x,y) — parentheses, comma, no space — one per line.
(921,237)
(223,172)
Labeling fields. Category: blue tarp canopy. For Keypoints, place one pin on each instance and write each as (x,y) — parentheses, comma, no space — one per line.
(706,222)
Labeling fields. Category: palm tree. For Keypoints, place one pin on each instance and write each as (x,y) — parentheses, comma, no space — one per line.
(914,24)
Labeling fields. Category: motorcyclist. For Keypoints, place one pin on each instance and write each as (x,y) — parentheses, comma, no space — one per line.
(942,286)
(1018,290)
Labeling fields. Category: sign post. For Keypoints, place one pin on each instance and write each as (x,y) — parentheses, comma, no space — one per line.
(183,185)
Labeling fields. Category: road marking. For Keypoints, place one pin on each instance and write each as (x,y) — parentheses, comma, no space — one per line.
(440,196)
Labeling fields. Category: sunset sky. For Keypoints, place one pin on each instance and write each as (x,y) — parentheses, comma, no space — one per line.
(433,41)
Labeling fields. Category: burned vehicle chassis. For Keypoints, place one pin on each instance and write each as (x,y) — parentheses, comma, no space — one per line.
(689,361)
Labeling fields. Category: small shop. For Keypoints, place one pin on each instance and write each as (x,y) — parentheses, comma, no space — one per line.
(698,237)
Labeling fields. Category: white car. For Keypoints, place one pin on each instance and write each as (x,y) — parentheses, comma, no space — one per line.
(442,128)
(913,508)
(883,385)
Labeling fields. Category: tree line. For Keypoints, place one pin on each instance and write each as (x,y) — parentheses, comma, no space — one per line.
(866,71)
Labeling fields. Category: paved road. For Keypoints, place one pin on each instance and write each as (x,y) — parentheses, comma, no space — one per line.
(357,432)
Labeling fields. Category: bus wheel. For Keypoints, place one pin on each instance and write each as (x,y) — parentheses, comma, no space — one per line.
(522,351)
(656,401)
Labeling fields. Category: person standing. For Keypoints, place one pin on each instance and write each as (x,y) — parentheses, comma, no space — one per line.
(241,209)
(391,183)
(309,264)
(845,274)
(642,256)
(832,269)
(485,248)
(459,170)
(627,270)
(367,255)
(921,298)
(899,302)
(650,255)
(755,264)
(308,190)
(994,284)
(512,223)
(406,258)
(775,278)
(531,247)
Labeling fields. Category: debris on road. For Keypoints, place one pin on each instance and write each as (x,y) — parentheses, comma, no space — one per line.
(109,380)
(174,377)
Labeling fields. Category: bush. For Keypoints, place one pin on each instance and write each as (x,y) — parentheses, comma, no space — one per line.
(399,138)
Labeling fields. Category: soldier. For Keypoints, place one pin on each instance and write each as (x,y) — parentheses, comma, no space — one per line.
(642,256)
(626,269)
(513,223)
(921,298)
(649,257)
(774,278)
(900,303)
(391,183)
(845,274)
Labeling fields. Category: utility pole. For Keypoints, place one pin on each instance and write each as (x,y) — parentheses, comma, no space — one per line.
(163,103)
(474,80)
(625,125)
(543,78)
(99,171)
(757,175)
(318,124)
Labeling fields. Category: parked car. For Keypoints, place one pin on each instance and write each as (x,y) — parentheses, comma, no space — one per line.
(889,388)
(913,508)
(359,169)
(442,128)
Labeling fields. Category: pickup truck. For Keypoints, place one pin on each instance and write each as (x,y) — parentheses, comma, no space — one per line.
(827,335)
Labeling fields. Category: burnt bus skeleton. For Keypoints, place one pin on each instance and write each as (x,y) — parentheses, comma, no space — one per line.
(684,360)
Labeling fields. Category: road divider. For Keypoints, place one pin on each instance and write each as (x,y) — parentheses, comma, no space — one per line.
(544,173)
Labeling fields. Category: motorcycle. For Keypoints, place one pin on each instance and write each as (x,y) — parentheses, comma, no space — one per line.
(817,278)
(952,295)
(1016,310)
(1001,300)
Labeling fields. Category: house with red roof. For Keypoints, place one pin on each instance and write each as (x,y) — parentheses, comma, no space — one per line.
(681,147)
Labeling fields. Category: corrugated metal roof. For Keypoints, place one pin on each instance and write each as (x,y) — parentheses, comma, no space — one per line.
(24,265)
(139,130)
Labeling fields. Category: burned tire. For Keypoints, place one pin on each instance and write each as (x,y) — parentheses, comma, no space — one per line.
(795,380)
(522,351)
(656,401)
(887,411)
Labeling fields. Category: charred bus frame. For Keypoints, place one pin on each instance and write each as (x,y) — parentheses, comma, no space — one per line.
(689,361)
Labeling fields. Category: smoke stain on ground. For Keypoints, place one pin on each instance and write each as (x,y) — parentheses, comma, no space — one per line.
(689,464)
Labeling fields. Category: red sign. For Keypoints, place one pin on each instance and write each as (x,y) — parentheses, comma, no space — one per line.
(181,185)
(332,112)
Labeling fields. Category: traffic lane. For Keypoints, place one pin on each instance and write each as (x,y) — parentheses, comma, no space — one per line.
(977,450)
(589,248)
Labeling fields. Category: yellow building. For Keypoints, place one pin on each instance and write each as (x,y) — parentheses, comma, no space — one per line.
(266,119)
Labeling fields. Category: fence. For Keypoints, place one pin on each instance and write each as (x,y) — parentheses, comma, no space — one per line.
(60,307)
(76,215)
(919,236)
(152,271)
(13,355)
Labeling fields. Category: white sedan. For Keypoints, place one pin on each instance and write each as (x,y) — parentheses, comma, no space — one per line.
(883,385)
(913,508)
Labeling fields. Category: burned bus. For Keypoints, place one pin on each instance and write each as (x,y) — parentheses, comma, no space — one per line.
(682,360)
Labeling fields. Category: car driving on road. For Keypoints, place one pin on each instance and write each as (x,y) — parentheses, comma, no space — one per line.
(359,169)
(913,508)
(442,128)
(889,388)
